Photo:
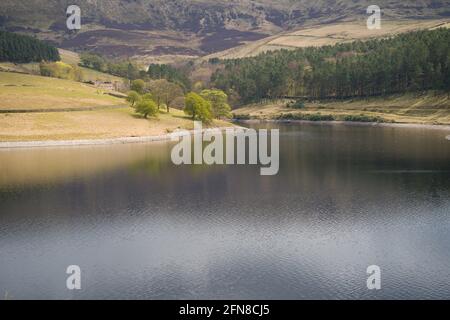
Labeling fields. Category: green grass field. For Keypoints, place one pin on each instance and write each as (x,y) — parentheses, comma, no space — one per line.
(21,91)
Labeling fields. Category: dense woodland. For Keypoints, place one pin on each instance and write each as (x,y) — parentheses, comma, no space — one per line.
(407,62)
(24,49)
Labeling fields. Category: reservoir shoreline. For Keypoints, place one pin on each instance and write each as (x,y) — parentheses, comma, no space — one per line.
(94,142)
(167,137)
(352,123)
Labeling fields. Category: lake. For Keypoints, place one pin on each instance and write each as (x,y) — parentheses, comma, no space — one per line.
(346,197)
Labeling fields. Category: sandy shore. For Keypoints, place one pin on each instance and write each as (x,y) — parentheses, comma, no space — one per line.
(96,142)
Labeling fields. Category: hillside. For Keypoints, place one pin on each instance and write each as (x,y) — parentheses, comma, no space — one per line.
(20,48)
(406,76)
(409,62)
(73,58)
(328,34)
(68,57)
(164,30)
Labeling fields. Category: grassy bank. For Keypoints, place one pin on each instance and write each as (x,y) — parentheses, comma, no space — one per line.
(68,57)
(423,108)
(29,92)
(22,91)
(101,124)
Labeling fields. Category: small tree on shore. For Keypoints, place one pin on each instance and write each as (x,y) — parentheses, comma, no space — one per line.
(147,108)
(198,107)
(219,103)
(133,98)
(148,96)
(165,92)
(138,86)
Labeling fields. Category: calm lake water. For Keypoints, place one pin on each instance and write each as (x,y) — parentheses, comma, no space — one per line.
(346,197)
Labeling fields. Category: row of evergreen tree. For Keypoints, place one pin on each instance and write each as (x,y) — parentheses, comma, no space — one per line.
(24,49)
(170,73)
(407,62)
